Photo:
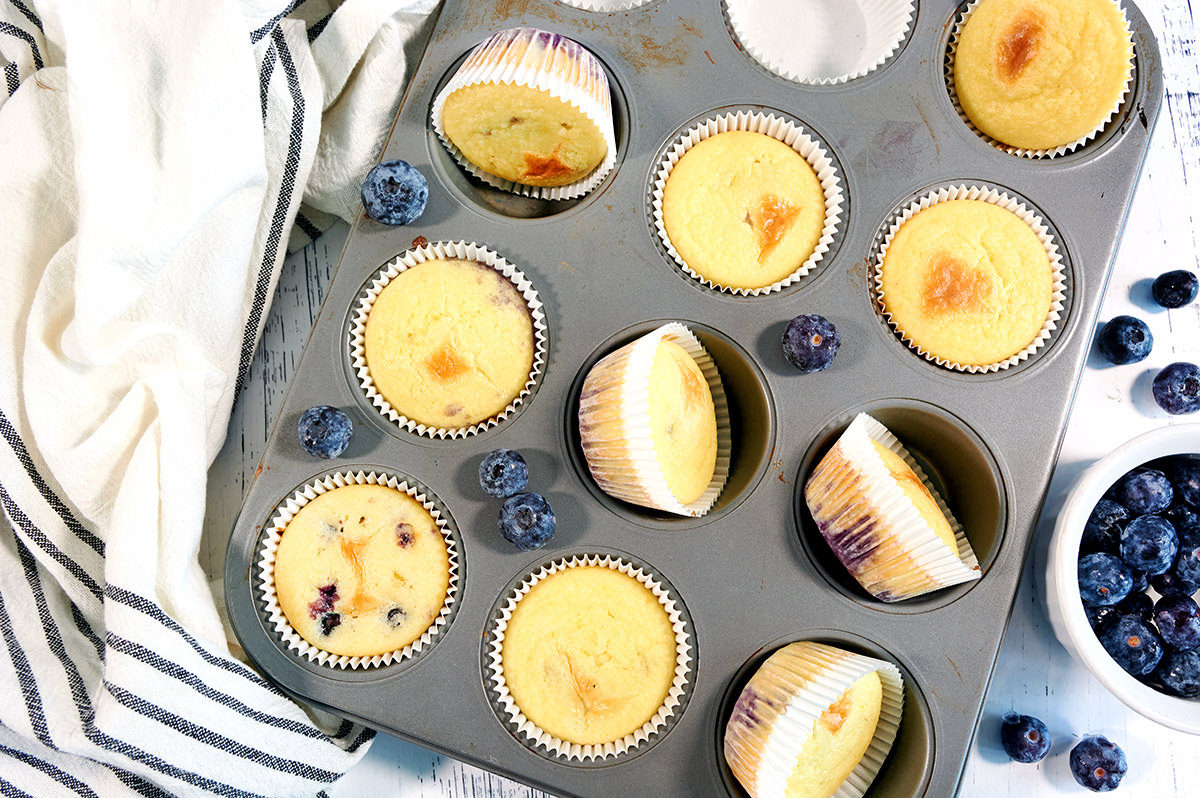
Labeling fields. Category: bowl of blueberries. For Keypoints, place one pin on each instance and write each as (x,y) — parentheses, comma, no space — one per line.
(1123,574)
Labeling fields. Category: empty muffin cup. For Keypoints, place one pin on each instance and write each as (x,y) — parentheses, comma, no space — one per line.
(820,42)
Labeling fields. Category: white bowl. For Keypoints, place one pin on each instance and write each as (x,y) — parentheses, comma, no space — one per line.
(1062,579)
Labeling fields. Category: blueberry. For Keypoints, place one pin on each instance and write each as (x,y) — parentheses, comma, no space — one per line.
(1184,471)
(1186,569)
(395,193)
(1100,616)
(1102,532)
(1145,490)
(324,431)
(502,473)
(527,521)
(1177,388)
(1182,516)
(810,342)
(1149,543)
(1024,737)
(395,617)
(1174,289)
(1179,673)
(1140,581)
(329,622)
(1171,583)
(1103,579)
(326,596)
(1125,339)
(1097,763)
(1134,645)
(1178,620)
(1137,605)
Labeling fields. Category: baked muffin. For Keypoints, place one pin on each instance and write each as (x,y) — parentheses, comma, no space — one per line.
(743,210)
(968,283)
(593,653)
(653,423)
(361,570)
(814,720)
(1042,74)
(879,514)
(446,343)
(529,108)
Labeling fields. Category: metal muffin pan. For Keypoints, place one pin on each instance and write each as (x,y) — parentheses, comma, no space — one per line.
(754,573)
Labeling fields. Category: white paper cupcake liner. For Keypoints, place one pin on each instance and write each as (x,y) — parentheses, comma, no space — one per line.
(539,738)
(785,699)
(1030,217)
(270,546)
(791,134)
(444,250)
(951,54)
(535,58)
(605,5)
(815,43)
(615,429)
(874,528)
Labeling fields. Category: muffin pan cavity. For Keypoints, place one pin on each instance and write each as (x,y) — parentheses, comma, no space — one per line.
(751,413)
(821,43)
(907,768)
(961,470)
(493,201)
(753,568)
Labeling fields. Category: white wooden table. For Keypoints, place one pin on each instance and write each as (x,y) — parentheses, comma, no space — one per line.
(1034,674)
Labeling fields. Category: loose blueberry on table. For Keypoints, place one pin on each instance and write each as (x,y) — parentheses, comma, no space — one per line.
(810,342)
(1125,339)
(1176,388)
(527,521)
(502,473)
(395,193)
(1024,737)
(1174,289)
(1097,763)
(324,431)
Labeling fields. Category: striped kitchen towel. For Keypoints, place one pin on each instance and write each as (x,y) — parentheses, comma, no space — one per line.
(153,161)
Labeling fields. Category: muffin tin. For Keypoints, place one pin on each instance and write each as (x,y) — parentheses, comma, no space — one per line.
(754,573)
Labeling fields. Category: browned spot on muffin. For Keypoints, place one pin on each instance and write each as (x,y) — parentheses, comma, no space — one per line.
(537,166)
(770,221)
(445,364)
(951,285)
(1019,45)
(833,718)
(694,389)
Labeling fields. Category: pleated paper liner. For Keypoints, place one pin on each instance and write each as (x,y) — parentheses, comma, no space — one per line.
(818,43)
(1023,152)
(791,134)
(547,62)
(1026,214)
(269,546)
(874,528)
(784,700)
(606,5)
(537,738)
(444,250)
(615,431)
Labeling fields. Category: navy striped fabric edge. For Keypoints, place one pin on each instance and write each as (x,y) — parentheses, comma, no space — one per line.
(28,14)
(12,30)
(273,242)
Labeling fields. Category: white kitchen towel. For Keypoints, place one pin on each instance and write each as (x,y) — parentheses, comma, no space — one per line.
(153,158)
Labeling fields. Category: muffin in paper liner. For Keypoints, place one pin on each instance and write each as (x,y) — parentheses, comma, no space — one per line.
(269,547)
(874,528)
(1029,151)
(536,737)
(784,130)
(780,707)
(990,195)
(615,424)
(818,43)
(451,250)
(547,62)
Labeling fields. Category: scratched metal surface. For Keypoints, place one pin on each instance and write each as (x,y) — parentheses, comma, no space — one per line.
(301,290)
